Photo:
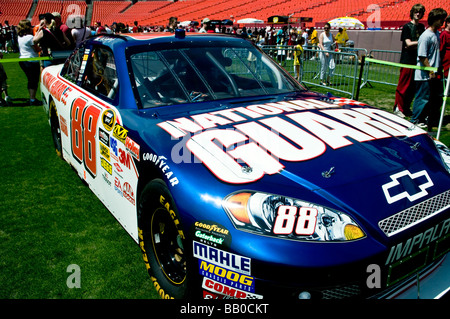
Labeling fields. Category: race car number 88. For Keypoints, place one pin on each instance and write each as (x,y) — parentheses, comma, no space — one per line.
(287,219)
(83,122)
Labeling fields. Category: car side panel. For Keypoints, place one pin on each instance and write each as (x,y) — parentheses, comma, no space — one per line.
(95,143)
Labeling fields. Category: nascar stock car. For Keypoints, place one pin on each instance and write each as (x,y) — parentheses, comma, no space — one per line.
(237,182)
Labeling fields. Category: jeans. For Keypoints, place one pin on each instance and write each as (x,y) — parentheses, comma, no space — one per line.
(428,101)
(327,66)
(421,99)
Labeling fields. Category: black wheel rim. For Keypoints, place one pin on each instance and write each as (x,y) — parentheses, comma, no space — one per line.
(167,246)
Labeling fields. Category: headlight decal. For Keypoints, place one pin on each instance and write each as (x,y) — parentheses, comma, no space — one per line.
(289,218)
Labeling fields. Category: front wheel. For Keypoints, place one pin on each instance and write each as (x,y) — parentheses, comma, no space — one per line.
(161,239)
(55,128)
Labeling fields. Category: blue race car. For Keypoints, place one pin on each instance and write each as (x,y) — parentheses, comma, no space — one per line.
(236,182)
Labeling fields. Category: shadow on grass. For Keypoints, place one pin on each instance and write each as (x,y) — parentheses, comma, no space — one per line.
(16,102)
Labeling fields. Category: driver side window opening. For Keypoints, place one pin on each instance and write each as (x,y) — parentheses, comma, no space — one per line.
(100,77)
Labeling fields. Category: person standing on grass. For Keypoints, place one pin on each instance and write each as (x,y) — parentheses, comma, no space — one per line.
(50,39)
(80,31)
(27,49)
(326,43)
(298,55)
(445,47)
(428,96)
(3,85)
(406,86)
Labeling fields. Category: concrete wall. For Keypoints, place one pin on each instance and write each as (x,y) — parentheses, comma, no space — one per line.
(375,39)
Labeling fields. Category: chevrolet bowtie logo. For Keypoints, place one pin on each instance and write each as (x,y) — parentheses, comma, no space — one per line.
(407,185)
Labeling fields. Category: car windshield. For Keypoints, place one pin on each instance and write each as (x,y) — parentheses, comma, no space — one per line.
(197,74)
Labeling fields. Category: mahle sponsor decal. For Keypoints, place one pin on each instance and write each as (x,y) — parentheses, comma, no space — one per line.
(222,258)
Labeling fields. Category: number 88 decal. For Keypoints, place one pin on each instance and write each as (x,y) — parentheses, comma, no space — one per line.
(83,123)
(287,219)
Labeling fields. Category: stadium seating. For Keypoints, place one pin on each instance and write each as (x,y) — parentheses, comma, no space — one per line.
(158,12)
(14,10)
(65,8)
(106,12)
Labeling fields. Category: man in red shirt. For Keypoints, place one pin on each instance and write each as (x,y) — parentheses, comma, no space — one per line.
(445,47)
(99,28)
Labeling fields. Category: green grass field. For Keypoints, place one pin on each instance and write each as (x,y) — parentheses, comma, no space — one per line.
(49,219)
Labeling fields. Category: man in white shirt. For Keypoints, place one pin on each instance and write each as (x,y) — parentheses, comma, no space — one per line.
(428,85)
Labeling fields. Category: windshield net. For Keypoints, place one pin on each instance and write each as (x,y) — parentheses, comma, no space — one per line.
(190,75)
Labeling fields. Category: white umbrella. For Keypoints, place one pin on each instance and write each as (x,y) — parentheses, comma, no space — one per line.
(185,23)
(250,20)
(346,22)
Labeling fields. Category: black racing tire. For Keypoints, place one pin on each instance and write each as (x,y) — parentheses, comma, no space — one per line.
(55,128)
(161,238)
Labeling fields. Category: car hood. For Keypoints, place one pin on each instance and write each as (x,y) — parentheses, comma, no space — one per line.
(334,152)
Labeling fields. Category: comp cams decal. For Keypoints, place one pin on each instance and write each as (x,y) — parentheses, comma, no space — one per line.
(267,133)
(218,290)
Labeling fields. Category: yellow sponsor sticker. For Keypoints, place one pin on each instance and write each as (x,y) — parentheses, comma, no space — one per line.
(106,165)
(104,151)
(120,133)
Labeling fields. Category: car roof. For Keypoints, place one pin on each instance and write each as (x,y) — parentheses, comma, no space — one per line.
(134,39)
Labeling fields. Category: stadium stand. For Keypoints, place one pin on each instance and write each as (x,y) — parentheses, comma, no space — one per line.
(65,8)
(107,12)
(393,13)
(14,10)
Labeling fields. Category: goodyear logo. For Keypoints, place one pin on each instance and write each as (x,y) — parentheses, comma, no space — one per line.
(106,165)
(120,133)
(104,151)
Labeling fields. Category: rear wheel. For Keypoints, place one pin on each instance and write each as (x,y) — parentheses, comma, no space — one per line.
(161,240)
(55,128)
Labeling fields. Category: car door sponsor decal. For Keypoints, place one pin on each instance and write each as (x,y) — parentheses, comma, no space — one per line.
(58,89)
(63,125)
(108,119)
(120,133)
